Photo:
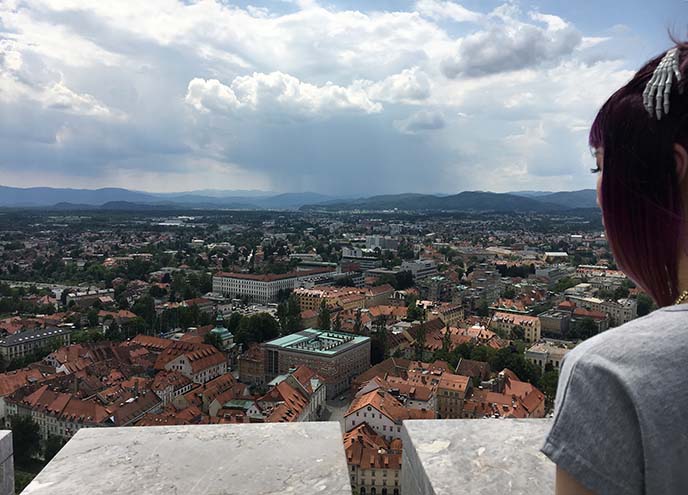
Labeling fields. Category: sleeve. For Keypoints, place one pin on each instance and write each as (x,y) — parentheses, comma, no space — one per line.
(595,436)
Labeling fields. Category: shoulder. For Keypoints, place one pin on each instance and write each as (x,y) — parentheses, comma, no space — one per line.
(628,344)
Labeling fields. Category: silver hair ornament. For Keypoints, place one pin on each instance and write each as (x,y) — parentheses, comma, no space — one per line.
(659,86)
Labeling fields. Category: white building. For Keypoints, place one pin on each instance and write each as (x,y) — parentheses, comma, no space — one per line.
(420,268)
(544,353)
(263,288)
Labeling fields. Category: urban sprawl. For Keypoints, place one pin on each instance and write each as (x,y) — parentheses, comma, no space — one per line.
(369,319)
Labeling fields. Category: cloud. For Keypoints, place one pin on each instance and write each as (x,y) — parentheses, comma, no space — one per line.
(445,9)
(509,45)
(277,93)
(18,81)
(300,95)
(409,86)
(421,121)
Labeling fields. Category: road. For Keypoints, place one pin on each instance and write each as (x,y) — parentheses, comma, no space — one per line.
(336,409)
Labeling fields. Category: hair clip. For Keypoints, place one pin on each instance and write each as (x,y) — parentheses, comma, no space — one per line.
(659,86)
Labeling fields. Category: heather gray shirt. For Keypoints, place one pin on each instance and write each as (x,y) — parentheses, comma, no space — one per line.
(621,422)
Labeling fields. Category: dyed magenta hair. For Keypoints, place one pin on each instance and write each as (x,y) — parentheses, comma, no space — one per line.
(641,200)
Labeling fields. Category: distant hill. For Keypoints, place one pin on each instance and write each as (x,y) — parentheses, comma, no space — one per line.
(117,198)
(17,197)
(464,201)
(585,198)
(48,196)
(530,194)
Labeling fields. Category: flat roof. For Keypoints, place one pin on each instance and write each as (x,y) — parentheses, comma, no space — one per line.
(31,335)
(314,341)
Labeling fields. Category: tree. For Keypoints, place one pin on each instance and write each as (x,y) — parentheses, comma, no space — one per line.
(215,340)
(113,332)
(645,304)
(52,446)
(584,329)
(403,280)
(563,284)
(518,333)
(358,324)
(548,385)
(324,317)
(294,322)
(92,317)
(283,317)
(483,308)
(509,293)
(337,326)
(414,312)
(145,308)
(26,438)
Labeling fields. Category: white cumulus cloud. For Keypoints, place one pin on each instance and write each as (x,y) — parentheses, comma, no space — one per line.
(277,92)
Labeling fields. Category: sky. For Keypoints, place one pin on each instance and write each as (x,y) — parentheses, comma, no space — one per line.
(348,97)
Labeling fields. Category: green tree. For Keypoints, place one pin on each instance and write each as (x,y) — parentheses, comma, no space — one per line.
(358,324)
(548,385)
(509,293)
(113,332)
(337,325)
(52,446)
(215,340)
(563,284)
(92,317)
(294,322)
(324,317)
(26,438)
(645,304)
(483,308)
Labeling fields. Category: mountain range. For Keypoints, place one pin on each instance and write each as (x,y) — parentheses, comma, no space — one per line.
(117,198)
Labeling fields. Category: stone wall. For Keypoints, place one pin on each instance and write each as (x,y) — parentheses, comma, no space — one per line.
(485,456)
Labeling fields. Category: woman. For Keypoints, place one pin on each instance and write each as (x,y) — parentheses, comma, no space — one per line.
(620,416)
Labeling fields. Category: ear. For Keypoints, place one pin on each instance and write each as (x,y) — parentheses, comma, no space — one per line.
(681,159)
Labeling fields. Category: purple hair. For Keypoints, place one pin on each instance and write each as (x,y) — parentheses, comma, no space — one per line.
(641,199)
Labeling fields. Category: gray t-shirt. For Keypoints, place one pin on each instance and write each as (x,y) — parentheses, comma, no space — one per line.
(620,415)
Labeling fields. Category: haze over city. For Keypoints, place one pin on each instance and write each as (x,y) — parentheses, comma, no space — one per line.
(338,97)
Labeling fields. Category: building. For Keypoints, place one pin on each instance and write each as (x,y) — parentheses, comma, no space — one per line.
(252,365)
(337,357)
(343,297)
(19,345)
(198,362)
(359,259)
(374,463)
(304,392)
(170,384)
(505,323)
(263,288)
(619,312)
(437,288)
(420,269)
(452,390)
(555,322)
(382,412)
(544,353)
(383,243)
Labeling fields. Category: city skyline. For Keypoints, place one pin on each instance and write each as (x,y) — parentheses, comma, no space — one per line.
(430,96)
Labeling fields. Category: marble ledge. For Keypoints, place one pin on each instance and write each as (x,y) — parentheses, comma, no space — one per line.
(265,459)
(476,456)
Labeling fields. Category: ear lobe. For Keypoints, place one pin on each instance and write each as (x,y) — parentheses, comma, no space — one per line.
(681,159)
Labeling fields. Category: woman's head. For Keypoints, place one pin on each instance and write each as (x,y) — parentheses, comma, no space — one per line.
(640,190)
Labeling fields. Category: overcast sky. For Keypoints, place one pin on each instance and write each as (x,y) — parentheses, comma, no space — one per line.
(340,97)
